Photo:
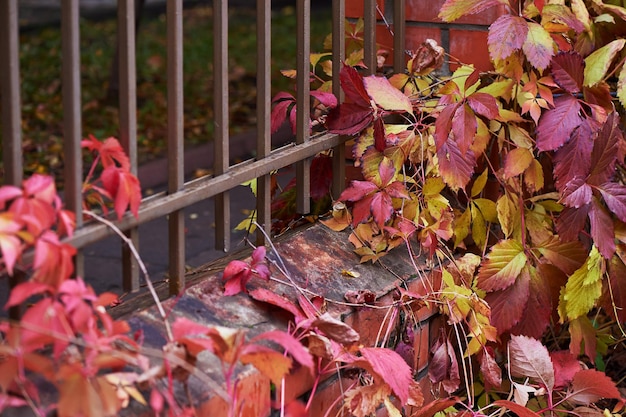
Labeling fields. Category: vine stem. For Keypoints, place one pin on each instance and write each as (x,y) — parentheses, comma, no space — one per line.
(142,266)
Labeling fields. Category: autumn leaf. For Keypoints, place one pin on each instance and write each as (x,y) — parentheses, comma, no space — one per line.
(607,150)
(567,256)
(573,159)
(597,64)
(520,410)
(538,46)
(291,345)
(509,305)
(583,288)
(557,124)
(453,9)
(455,167)
(386,96)
(530,359)
(444,367)
(589,385)
(567,71)
(516,162)
(391,368)
(502,266)
(270,363)
(506,35)
(582,332)
(124,187)
(111,152)
(566,366)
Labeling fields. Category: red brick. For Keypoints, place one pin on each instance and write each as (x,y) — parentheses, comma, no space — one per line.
(416,35)
(469,47)
(254,398)
(328,396)
(354,8)
(428,11)
(421,346)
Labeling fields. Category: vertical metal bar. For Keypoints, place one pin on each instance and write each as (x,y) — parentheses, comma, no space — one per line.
(303,67)
(222,152)
(72,133)
(399,35)
(339,52)
(11,110)
(264,103)
(10,89)
(369,36)
(175,133)
(128,121)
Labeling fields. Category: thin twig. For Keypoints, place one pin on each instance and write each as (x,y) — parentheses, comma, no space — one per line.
(142,266)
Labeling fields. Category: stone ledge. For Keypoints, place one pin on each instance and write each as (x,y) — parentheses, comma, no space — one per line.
(315,258)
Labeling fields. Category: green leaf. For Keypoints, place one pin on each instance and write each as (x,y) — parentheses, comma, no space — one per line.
(597,64)
(583,288)
(621,86)
(502,266)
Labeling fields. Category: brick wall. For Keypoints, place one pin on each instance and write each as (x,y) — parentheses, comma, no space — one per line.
(465,39)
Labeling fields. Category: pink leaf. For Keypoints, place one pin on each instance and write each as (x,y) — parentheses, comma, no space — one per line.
(490,369)
(530,359)
(387,96)
(589,385)
(270,297)
(455,167)
(291,345)
(357,190)
(506,35)
(602,230)
(444,367)
(279,113)
(391,368)
(381,208)
(566,366)
(25,290)
(576,193)
(335,329)
(327,99)
(574,158)
(614,195)
(484,104)
(464,126)
(8,193)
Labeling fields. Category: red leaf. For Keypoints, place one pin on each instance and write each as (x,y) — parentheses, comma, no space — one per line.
(581,330)
(536,317)
(614,298)
(574,158)
(566,366)
(391,368)
(577,193)
(484,104)
(236,274)
(602,230)
(349,119)
(381,208)
(506,35)
(321,176)
(570,222)
(567,71)
(267,296)
(590,385)
(353,87)
(53,261)
(335,329)
(291,346)
(567,256)
(490,369)
(282,103)
(464,127)
(508,306)
(530,359)
(456,168)
(111,152)
(124,187)
(380,142)
(25,290)
(327,99)
(557,124)
(606,151)
(362,210)
(443,124)
(436,406)
(520,410)
(614,196)
(358,190)
(444,367)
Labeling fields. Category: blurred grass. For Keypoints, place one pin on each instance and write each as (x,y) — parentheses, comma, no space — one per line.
(40,65)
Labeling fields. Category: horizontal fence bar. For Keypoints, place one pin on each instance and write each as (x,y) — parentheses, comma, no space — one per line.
(162,204)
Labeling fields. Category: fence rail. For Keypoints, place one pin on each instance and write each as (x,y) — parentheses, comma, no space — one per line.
(181,194)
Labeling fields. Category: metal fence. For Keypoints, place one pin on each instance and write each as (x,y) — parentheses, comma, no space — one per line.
(181,194)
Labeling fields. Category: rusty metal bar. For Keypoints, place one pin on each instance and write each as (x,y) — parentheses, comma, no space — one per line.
(72,133)
(221,122)
(339,53)
(369,36)
(399,36)
(162,204)
(264,107)
(303,67)
(10,92)
(128,121)
(175,135)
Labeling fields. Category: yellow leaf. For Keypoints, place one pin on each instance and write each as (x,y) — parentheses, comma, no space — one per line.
(487,209)
(480,183)
(533,176)
(621,86)
(517,160)
(597,64)
(479,227)
(350,274)
(461,227)
(248,223)
(508,215)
